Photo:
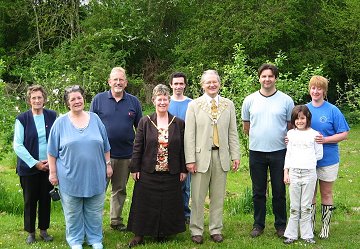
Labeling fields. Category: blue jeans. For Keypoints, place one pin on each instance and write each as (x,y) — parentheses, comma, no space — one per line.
(83,218)
(259,163)
(186,195)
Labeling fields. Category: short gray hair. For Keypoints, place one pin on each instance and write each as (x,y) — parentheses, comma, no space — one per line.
(118,69)
(209,72)
(160,89)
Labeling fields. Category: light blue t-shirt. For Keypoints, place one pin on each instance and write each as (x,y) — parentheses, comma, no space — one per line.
(79,153)
(328,120)
(18,144)
(178,108)
(268,117)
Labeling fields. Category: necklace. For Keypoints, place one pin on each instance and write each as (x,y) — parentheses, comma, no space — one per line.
(156,125)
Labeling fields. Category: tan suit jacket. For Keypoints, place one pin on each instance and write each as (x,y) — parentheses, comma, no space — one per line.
(199,133)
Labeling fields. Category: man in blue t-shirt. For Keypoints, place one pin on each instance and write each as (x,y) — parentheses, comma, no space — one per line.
(178,106)
(120,112)
(266,116)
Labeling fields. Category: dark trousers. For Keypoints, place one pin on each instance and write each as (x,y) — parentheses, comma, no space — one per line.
(259,163)
(36,200)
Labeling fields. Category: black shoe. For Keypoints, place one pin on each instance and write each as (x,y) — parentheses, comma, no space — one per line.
(120,227)
(187,220)
(30,239)
(280,232)
(256,232)
(46,237)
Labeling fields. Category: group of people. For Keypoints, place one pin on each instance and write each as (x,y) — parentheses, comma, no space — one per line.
(82,152)
(299,146)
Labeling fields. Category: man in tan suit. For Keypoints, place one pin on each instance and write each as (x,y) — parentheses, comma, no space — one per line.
(211,141)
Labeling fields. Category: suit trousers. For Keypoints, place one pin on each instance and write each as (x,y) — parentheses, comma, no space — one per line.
(36,200)
(119,180)
(214,182)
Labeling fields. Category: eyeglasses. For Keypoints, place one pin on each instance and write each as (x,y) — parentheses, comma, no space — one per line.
(211,82)
(118,80)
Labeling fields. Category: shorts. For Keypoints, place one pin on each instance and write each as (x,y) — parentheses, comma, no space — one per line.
(328,173)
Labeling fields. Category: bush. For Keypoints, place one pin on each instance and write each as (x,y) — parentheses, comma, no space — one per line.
(87,61)
(239,80)
(10,107)
(349,101)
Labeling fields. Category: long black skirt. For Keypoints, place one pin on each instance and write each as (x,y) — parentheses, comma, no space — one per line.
(157,207)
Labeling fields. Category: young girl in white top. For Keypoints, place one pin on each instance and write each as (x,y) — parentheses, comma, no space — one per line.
(300,172)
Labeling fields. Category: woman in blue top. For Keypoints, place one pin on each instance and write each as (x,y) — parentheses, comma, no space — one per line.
(79,161)
(30,141)
(331,123)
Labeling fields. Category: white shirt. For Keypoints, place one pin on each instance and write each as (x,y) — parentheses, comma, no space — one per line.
(302,150)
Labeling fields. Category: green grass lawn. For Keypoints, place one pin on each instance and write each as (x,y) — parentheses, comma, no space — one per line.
(344,232)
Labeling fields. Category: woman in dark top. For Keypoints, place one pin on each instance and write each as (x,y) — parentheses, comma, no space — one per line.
(30,142)
(158,168)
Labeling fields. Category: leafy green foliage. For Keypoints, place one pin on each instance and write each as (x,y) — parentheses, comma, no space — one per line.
(349,100)
(239,80)
(11,106)
(85,61)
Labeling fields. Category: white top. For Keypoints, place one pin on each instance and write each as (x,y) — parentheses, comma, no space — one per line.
(302,150)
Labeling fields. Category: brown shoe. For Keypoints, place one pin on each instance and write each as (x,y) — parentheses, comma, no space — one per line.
(197,239)
(256,232)
(137,240)
(280,232)
(218,238)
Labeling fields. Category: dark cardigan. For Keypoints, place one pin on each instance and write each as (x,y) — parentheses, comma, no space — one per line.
(31,142)
(146,146)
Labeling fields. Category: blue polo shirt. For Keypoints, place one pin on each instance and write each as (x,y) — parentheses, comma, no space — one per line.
(120,119)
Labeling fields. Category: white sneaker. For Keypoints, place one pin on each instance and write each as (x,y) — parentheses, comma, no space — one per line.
(309,241)
(77,247)
(97,246)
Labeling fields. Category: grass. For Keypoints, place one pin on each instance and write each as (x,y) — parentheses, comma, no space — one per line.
(344,232)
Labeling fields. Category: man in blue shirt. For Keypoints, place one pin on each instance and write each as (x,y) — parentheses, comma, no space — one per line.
(266,116)
(120,112)
(178,106)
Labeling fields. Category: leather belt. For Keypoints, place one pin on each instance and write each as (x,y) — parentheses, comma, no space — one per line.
(214,148)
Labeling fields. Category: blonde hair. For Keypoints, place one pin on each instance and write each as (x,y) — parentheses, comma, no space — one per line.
(321,82)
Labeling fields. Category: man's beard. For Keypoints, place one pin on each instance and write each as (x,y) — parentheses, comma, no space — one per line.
(118,90)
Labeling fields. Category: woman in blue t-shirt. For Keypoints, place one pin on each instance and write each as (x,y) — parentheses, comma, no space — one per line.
(79,161)
(331,123)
